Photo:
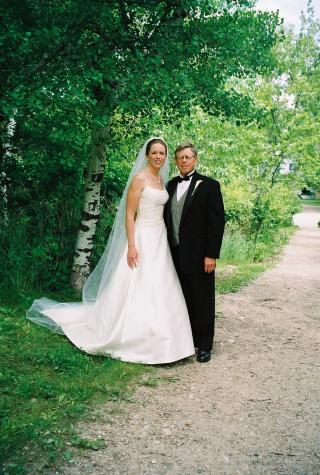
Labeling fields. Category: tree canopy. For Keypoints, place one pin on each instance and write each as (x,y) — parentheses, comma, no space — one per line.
(84,84)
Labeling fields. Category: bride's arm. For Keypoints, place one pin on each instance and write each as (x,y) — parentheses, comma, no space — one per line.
(133,198)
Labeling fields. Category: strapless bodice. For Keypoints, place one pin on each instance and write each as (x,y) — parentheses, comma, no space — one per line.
(150,209)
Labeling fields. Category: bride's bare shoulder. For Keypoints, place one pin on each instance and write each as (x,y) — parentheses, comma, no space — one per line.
(139,180)
(140,176)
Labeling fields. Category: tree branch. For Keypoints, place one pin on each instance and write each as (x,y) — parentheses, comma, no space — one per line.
(275,171)
(124,15)
(274,120)
(179,12)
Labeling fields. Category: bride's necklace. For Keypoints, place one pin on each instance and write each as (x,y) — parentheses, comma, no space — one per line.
(155,179)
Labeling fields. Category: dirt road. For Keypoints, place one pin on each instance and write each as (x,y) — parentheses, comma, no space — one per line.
(254,409)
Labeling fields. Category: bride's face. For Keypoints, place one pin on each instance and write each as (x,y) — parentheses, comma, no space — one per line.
(157,155)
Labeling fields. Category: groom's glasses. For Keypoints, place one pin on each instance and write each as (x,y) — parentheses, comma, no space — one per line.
(185,157)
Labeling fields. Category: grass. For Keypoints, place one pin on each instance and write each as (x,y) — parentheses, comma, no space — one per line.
(310,202)
(232,278)
(47,385)
(241,261)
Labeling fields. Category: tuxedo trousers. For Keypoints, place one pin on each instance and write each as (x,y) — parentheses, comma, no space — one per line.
(199,293)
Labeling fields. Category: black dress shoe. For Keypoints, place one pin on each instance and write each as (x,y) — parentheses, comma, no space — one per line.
(203,356)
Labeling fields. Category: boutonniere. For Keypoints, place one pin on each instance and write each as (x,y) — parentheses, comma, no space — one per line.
(196,185)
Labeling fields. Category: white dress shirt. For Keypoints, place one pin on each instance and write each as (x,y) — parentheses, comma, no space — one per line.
(183,186)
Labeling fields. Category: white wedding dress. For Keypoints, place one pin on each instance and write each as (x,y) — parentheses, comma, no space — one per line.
(141,315)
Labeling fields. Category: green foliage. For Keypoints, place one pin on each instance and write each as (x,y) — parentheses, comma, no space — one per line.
(132,67)
(292,99)
(242,144)
(40,246)
(95,444)
(176,69)
(258,200)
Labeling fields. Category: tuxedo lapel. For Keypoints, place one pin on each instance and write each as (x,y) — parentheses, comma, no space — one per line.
(171,189)
(189,196)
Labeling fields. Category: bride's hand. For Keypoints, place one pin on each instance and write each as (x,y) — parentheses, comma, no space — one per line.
(132,257)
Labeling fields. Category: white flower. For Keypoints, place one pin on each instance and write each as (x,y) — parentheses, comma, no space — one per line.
(196,185)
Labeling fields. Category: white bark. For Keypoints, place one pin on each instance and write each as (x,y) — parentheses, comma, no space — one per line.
(4,195)
(9,133)
(91,209)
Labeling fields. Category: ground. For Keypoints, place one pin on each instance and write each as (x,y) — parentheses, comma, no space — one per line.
(253,409)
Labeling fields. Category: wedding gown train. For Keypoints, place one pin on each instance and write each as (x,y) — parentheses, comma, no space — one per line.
(141,316)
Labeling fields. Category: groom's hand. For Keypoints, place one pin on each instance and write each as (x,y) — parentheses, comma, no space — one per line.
(209,264)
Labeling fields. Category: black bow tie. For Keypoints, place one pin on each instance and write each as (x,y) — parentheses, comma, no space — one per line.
(185,178)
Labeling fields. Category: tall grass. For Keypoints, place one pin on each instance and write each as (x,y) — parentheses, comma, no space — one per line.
(236,248)
(244,258)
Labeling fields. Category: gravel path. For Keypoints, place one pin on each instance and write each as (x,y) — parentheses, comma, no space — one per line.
(254,409)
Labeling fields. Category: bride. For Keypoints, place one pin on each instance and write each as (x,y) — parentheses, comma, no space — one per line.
(133,308)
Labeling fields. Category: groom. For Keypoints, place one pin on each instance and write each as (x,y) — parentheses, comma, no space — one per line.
(194,215)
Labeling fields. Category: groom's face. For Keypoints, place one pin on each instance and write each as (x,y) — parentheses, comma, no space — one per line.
(185,161)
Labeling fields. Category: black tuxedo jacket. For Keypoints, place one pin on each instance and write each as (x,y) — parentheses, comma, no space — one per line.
(202,222)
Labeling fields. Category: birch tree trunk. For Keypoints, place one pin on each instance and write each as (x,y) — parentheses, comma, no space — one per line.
(91,208)
(8,133)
